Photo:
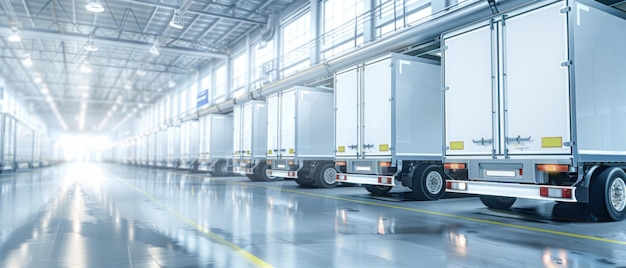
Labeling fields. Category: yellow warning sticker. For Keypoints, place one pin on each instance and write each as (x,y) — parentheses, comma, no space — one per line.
(248,152)
(457,145)
(292,151)
(341,149)
(551,142)
(269,151)
(383,147)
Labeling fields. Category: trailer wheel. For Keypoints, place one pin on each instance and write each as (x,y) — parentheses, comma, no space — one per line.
(252,177)
(608,195)
(429,183)
(221,168)
(325,175)
(261,173)
(304,178)
(497,202)
(378,189)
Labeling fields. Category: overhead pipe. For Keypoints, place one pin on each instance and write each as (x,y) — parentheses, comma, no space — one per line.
(427,31)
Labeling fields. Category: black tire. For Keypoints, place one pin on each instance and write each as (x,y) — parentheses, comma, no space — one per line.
(325,175)
(304,178)
(378,189)
(252,177)
(497,202)
(221,168)
(261,173)
(608,195)
(429,183)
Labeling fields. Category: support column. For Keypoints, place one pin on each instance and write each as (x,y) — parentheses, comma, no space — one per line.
(369,23)
(316,22)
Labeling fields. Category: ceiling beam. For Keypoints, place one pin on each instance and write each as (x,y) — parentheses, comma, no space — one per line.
(51,35)
(88,100)
(204,13)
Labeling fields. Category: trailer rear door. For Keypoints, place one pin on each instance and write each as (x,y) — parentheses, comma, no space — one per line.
(287,123)
(377,107)
(246,130)
(469,106)
(273,117)
(535,82)
(237,123)
(346,113)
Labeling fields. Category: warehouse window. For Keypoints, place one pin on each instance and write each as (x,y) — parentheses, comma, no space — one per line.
(205,83)
(394,15)
(264,67)
(343,26)
(220,84)
(239,75)
(296,44)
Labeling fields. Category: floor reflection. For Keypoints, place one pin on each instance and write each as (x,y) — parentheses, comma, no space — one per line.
(86,215)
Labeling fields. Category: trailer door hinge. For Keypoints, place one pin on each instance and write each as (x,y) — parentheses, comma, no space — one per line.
(445,88)
(567,63)
(444,48)
(565,10)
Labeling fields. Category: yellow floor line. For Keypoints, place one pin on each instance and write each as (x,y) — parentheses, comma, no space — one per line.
(256,261)
(517,226)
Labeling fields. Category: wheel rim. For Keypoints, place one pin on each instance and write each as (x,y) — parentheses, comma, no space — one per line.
(618,194)
(330,175)
(434,182)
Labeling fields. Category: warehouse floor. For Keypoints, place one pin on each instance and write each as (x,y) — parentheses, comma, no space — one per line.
(89,215)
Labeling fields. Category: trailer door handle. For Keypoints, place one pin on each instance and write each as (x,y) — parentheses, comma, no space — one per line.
(517,139)
(353,147)
(283,150)
(368,146)
(483,141)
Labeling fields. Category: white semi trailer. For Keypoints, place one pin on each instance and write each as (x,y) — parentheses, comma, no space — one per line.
(250,140)
(216,144)
(534,107)
(388,125)
(7,130)
(190,140)
(173,146)
(299,136)
(161,148)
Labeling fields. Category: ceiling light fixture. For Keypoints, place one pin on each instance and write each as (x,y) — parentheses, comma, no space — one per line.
(154,50)
(85,68)
(15,34)
(27,61)
(94,6)
(177,20)
(90,45)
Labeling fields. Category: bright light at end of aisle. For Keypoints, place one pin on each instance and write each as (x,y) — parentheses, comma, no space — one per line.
(84,147)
